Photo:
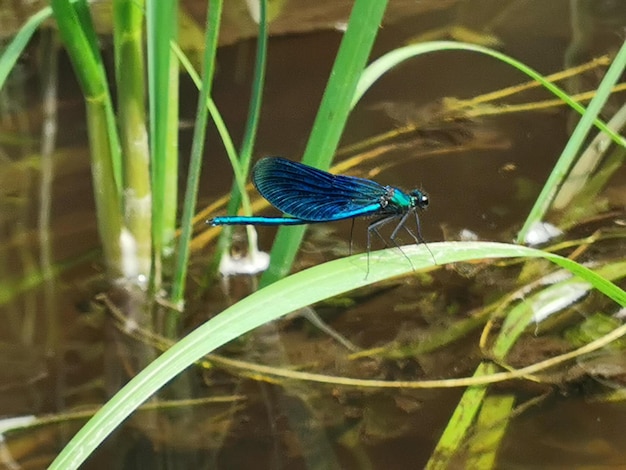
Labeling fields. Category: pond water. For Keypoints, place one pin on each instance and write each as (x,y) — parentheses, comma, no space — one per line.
(67,347)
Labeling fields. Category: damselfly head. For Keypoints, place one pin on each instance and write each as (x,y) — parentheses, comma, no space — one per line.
(419,198)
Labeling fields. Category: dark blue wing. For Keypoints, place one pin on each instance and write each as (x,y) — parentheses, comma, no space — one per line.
(307,193)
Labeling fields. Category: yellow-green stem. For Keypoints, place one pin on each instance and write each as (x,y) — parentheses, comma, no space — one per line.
(137,197)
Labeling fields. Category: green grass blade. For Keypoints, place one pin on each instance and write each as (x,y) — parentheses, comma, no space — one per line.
(78,42)
(331,118)
(517,320)
(161,23)
(284,296)
(238,195)
(16,47)
(461,422)
(214,112)
(583,183)
(390,60)
(495,414)
(225,137)
(78,37)
(575,142)
(197,147)
(254,110)
(239,171)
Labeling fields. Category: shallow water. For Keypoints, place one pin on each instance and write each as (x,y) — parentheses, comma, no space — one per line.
(65,349)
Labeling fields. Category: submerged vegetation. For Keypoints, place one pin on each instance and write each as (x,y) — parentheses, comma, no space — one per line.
(536,316)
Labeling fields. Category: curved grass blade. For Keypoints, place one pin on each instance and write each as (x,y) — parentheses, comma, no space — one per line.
(390,60)
(193,176)
(14,50)
(282,297)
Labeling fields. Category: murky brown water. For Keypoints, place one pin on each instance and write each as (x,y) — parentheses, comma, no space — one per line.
(62,352)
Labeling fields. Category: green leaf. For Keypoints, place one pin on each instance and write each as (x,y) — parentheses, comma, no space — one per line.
(284,296)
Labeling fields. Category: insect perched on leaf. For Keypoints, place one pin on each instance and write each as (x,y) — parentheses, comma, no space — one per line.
(307,195)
